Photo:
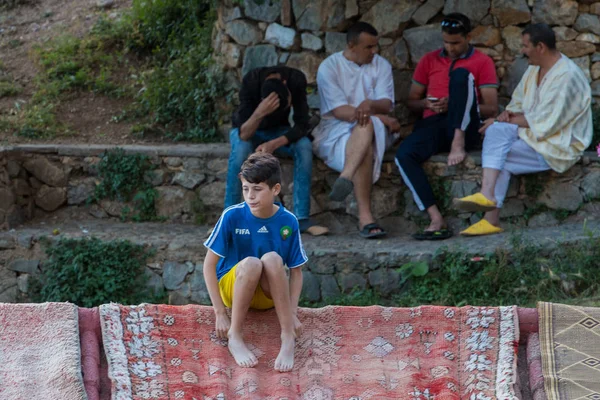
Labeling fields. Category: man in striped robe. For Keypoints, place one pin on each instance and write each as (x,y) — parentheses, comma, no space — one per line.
(547,125)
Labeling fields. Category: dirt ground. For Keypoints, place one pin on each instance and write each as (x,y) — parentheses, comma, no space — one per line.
(88,116)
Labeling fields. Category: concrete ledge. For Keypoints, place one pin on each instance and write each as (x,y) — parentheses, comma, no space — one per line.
(180,150)
(190,150)
(337,263)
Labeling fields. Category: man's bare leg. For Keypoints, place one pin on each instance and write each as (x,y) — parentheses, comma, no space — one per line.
(437,220)
(488,183)
(457,150)
(356,148)
(363,184)
(488,189)
(275,284)
(493,217)
(247,277)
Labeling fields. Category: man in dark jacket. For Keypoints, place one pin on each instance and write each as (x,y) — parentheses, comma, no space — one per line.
(261,123)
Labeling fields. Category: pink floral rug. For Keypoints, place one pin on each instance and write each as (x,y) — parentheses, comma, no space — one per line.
(424,353)
(39,352)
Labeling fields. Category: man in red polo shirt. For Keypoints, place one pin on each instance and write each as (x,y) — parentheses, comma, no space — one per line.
(452,87)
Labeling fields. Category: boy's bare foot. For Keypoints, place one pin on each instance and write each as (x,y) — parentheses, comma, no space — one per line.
(457,151)
(240,352)
(285,359)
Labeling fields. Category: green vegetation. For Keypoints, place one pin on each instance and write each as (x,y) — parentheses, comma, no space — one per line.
(181,91)
(534,184)
(522,276)
(124,178)
(8,4)
(8,89)
(90,272)
(442,193)
(158,55)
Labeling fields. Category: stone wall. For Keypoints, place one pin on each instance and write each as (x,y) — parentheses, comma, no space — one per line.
(41,180)
(301,33)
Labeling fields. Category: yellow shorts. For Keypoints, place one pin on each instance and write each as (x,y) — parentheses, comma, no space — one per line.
(260,301)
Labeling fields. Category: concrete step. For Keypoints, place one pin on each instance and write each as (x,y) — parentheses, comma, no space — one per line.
(337,263)
(348,248)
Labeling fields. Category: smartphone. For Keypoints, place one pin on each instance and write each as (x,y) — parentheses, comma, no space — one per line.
(432,99)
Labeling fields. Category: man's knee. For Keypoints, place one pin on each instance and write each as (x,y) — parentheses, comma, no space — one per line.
(303,148)
(237,143)
(405,153)
(249,266)
(367,128)
(272,262)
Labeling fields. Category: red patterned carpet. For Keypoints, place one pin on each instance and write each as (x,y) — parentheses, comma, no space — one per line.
(346,353)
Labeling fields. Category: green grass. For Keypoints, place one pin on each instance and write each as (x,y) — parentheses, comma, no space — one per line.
(8,89)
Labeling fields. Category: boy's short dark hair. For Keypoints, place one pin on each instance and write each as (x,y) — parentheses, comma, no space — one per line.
(261,167)
(358,28)
(541,33)
(456,23)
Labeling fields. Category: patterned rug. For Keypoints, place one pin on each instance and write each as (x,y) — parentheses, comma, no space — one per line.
(345,353)
(39,352)
(570,347)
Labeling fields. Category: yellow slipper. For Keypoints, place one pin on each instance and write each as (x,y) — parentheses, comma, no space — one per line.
(481,228)
(474,203)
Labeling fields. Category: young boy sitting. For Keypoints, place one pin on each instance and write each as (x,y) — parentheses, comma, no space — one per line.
(249,253)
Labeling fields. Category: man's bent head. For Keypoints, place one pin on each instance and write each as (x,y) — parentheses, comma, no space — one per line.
(538,43)
(456,34)
(274,83)
(362,43)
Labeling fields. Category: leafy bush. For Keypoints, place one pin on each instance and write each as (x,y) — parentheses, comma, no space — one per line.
(181,92)
(90,272)
(124,179)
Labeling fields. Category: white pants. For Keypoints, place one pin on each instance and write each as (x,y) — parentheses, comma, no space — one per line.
(504,151)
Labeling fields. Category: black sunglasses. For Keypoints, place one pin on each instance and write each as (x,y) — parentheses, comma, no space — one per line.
(452,23)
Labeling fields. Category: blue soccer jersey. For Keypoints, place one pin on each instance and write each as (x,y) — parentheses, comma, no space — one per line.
(239,234)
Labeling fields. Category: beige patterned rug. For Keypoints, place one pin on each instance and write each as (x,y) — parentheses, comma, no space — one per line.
(570,346)
(39,352)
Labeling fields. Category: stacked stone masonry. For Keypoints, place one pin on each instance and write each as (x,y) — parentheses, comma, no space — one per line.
(53,183)
(302,33)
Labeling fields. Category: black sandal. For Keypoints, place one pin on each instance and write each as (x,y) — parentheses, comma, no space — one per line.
(440,234)
(366,233)
(342,187)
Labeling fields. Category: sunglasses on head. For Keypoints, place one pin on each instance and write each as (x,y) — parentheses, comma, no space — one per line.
(452,23)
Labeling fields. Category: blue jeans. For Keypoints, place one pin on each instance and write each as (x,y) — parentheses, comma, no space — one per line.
(300,151)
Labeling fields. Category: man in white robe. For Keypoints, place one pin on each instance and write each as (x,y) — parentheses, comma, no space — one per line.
(356,90)
(547,125)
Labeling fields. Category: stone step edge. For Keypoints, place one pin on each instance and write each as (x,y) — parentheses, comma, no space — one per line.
(333,245)
(204,150)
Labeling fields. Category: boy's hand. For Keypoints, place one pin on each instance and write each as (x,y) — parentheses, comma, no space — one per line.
(298,327)
(222,325)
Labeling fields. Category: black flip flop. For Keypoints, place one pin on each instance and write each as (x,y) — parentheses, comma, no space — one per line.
(342,187)
(366,233)
(441,234)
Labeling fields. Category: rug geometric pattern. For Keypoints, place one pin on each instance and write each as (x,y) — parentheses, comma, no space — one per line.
(570,346)
(345,353)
